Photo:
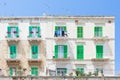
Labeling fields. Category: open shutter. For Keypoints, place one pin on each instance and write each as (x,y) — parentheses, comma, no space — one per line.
(65,51)
(95,31)
(9,31)
(101,31)
(30,31)
(56,28)
(56,51)
(65,28)
(11,71)
(79,32)
(17,31)
(39,35)
(80,52)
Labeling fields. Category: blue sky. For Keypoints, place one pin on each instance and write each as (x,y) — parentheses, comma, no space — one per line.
(66,7)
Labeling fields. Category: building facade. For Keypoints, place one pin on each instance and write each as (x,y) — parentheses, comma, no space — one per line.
(57,45)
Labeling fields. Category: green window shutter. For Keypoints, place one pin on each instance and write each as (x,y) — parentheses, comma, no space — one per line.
(9,31)
(56,28)
(12,51)
(10,71)
(33,52)
(39,35)
(101,31)
(81,71)
(99,51)
(30,30)
(56,51)
(65,51)
(34,49)
(98,32)
(34,71)
(17,30)
(80,52)
(96,72)
(65,28)
(95,31)
(65,71)
(79,32)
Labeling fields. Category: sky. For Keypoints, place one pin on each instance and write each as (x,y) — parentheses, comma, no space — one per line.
(67,7)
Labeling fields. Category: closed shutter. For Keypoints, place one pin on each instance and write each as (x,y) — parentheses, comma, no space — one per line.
(65,51)
(99,51)
(17,31)
(13,51)
(34,49)
(10,71)
(56,51)
(79,32)
(30,31)
(98,31)
(9,31)
(34,71)
(80,52)
(65,71)
(81,70)
(39,33)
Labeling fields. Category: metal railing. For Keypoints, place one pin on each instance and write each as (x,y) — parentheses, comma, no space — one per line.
(58,78)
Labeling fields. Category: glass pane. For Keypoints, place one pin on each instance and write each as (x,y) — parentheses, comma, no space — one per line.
(13,32)
(61,51)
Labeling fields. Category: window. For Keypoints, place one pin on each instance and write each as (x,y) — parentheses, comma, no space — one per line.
(34,51)
(13,52)
(13,32)
(34,71)
(97,70)
(60,31)
(80,52)
(60,51)
(13,71)
(99,51)
(34,31)
(80,71)
(79,32)
(98,31)
(61,71)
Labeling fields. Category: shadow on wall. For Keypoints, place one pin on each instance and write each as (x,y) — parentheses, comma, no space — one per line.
(107,50)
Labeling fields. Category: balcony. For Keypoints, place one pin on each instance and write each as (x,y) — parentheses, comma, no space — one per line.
(34,60)
(12,60)
(61,59)
(81,62)
(97,39)
(34,38)
(12,39)
(100,59)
